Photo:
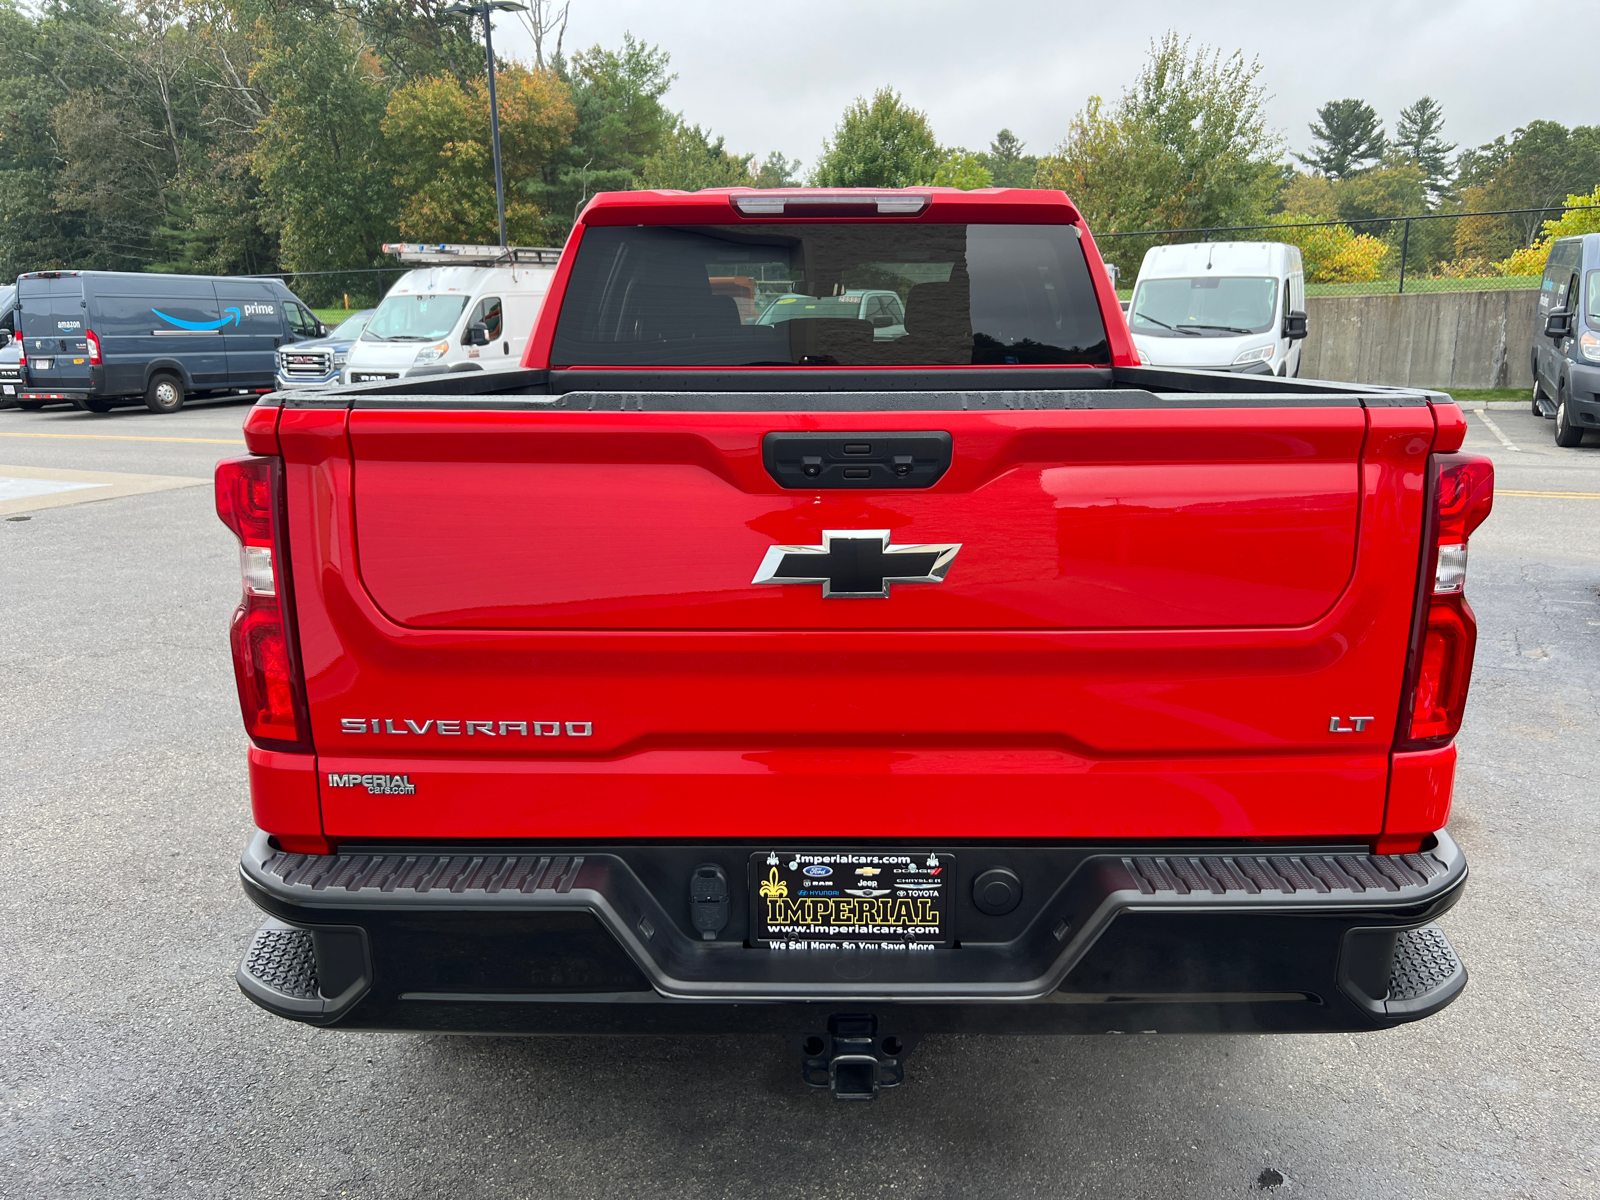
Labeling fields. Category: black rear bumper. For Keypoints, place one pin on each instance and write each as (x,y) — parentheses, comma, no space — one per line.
(592,940)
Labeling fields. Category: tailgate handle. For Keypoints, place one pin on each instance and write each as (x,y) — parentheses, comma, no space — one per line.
(855,459)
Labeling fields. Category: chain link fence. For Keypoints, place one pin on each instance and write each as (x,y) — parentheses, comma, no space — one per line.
(331,293)
(1426,252)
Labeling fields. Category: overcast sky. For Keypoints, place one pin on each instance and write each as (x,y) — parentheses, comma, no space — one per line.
(777,76)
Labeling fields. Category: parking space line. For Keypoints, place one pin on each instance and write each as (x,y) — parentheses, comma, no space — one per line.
(28,489)
(1487,420)
(127,437)
(1549,495)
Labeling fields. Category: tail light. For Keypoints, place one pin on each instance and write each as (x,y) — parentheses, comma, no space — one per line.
(94,347)
(265,660)
(1444,634)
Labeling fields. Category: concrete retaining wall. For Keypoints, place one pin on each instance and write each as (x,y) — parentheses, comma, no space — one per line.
(1423,339)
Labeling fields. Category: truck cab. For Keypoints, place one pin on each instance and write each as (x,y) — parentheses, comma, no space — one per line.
(465,308)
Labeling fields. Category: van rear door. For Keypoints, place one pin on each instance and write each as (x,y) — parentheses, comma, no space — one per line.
(53,323)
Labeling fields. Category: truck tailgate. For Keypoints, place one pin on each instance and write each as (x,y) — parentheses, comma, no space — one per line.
(546,623)
(1066,520)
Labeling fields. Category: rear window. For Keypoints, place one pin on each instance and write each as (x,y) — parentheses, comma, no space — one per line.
(829,295)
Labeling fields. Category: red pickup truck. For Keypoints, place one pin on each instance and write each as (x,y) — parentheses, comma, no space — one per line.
(782,667)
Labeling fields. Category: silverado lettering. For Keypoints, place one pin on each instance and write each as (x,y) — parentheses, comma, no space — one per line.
(1076,752)
(454,728)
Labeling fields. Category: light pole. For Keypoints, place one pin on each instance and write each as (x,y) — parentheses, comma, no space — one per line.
(483,10)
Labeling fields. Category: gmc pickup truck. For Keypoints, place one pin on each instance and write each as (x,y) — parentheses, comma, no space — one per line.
(716,674)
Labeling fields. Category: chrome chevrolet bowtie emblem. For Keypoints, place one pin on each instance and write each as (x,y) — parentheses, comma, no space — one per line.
(856,564)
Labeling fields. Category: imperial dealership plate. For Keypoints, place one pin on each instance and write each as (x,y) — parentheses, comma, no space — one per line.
(843,899)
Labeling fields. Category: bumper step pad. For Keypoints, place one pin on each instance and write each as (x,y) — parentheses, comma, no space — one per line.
(1427,972)
(420,874)
(1288,874)
(313,975)
(281,958)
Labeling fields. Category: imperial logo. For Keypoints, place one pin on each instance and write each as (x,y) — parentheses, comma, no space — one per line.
(376,785)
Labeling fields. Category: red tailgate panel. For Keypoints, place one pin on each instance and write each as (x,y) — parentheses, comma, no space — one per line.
(1019,700)
(1078,520)
(847,792)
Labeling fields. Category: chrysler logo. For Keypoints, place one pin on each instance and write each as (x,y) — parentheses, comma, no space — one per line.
(856,564)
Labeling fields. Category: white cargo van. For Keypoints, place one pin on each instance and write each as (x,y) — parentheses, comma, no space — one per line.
(464,308)
(1221,306)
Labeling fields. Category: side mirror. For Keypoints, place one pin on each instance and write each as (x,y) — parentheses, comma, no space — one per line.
(1295,326)
(5,337)
(1558,325)
(477,335)
(322,330)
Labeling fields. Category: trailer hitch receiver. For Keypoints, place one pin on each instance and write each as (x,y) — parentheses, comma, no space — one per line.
(854,1060)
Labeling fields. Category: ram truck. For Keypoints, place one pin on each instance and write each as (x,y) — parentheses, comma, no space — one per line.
(711,675)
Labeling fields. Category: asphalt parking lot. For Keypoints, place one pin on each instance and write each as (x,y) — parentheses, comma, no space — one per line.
(132,1066)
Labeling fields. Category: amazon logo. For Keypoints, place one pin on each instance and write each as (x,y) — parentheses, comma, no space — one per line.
(232,318)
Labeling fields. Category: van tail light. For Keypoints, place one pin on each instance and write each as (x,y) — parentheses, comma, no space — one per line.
(1444,632)
(94,347)
(266,661)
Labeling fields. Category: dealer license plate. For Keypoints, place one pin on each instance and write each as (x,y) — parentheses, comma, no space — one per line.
(44,364)
(10,390)
(803,899)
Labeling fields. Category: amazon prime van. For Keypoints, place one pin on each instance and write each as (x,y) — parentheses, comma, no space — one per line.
(102,338)
(1221,306)
(464,308)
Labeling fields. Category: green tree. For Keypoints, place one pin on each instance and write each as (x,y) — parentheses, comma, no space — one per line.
(84,149)
(777,170)
(1007,164)
(1309,196)
(1349,138)
(1537,167)
(326,184)
(1186,146)
(1397,190)
(961,168)
(1418,139)
(690,160)
(881,142)
(437,135)
(620,124)
(1583,217)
